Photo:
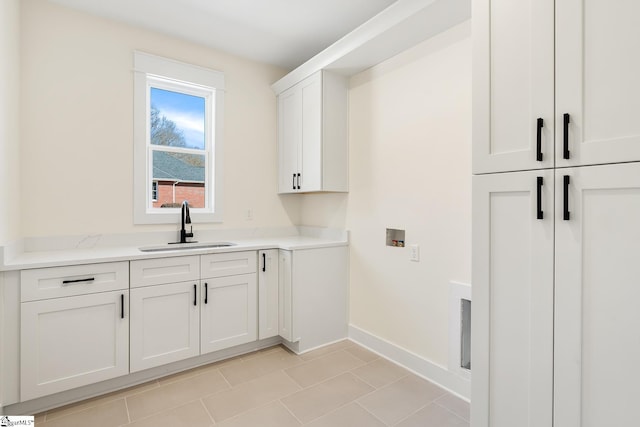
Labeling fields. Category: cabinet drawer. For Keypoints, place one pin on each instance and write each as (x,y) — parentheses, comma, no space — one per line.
(55,282)
(164,270)
(228,264)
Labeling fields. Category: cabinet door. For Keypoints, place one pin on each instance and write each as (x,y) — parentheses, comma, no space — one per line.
(597,69)
(312,138)
(513,83)
(289,139)
(73,341)
(512,356)
(164,324)
(229,312)
(285,296)
(597,344)
(268,294)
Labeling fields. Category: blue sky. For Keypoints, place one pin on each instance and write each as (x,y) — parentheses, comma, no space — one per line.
(186,111)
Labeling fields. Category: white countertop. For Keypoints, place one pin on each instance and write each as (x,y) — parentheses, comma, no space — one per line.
(96,254)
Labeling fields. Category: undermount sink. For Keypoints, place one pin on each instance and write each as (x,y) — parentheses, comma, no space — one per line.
(186,246)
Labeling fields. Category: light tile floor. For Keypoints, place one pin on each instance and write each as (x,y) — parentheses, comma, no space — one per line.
(339,385)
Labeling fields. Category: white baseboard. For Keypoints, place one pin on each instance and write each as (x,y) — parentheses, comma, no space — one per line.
(417,364)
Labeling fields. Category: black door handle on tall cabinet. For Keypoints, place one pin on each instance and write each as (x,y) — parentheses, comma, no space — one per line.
(298,181)
(566,120)
(540,183)
(567,214)
(206,292)
(293,182)
(539,126)
(264,262)
(122,306)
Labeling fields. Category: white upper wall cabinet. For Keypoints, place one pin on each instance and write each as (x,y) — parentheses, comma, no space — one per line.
(596,63)
(313,135)
(597,84)
(513,117)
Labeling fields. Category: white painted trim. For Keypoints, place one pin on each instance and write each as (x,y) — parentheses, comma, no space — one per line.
(147,66)
(457,292)
(169,68)
(407,359)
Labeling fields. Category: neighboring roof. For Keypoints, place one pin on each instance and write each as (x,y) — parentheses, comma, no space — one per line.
(166,166)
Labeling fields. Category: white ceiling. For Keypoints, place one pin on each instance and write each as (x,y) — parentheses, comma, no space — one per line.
(280,32)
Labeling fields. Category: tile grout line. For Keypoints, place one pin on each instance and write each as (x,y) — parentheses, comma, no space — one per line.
(126,406)
(201,400)
(401,420)
(435,402)
(369,412)
(289,410)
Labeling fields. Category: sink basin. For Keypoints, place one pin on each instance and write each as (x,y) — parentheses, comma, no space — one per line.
(186,246)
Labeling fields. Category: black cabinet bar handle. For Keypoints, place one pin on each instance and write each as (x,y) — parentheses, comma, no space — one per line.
(122,306)
(567,120)
(298,181)
(206,292)
(293,181)
(567,214)
(69,282)
(195,294)
(264,262)
(540,182)
(540,125)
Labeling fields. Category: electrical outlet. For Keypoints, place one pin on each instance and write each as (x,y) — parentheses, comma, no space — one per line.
(415,253)
(249,215)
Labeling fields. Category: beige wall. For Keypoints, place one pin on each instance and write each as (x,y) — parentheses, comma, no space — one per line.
(9,121)
(410,153)
(77,153)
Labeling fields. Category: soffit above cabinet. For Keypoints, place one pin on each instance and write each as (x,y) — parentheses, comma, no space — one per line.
(394,30)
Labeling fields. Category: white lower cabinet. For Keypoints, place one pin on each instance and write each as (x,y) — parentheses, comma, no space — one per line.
(313,296)
(512,289)
(285,312)
(596,342)
(214,309)
(268,303)
(228,315)
(73,341)
(84,324)
(164,324)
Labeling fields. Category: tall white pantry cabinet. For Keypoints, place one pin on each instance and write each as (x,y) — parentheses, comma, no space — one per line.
(556,221)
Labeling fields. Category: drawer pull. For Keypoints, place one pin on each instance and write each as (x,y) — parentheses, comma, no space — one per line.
(567,214)
(539,126)
(71,282)
(565,136)
(540,183)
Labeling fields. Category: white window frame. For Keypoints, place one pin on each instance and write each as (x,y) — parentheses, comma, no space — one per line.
(151,70)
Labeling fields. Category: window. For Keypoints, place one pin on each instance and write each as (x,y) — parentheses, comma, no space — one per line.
(177,140)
